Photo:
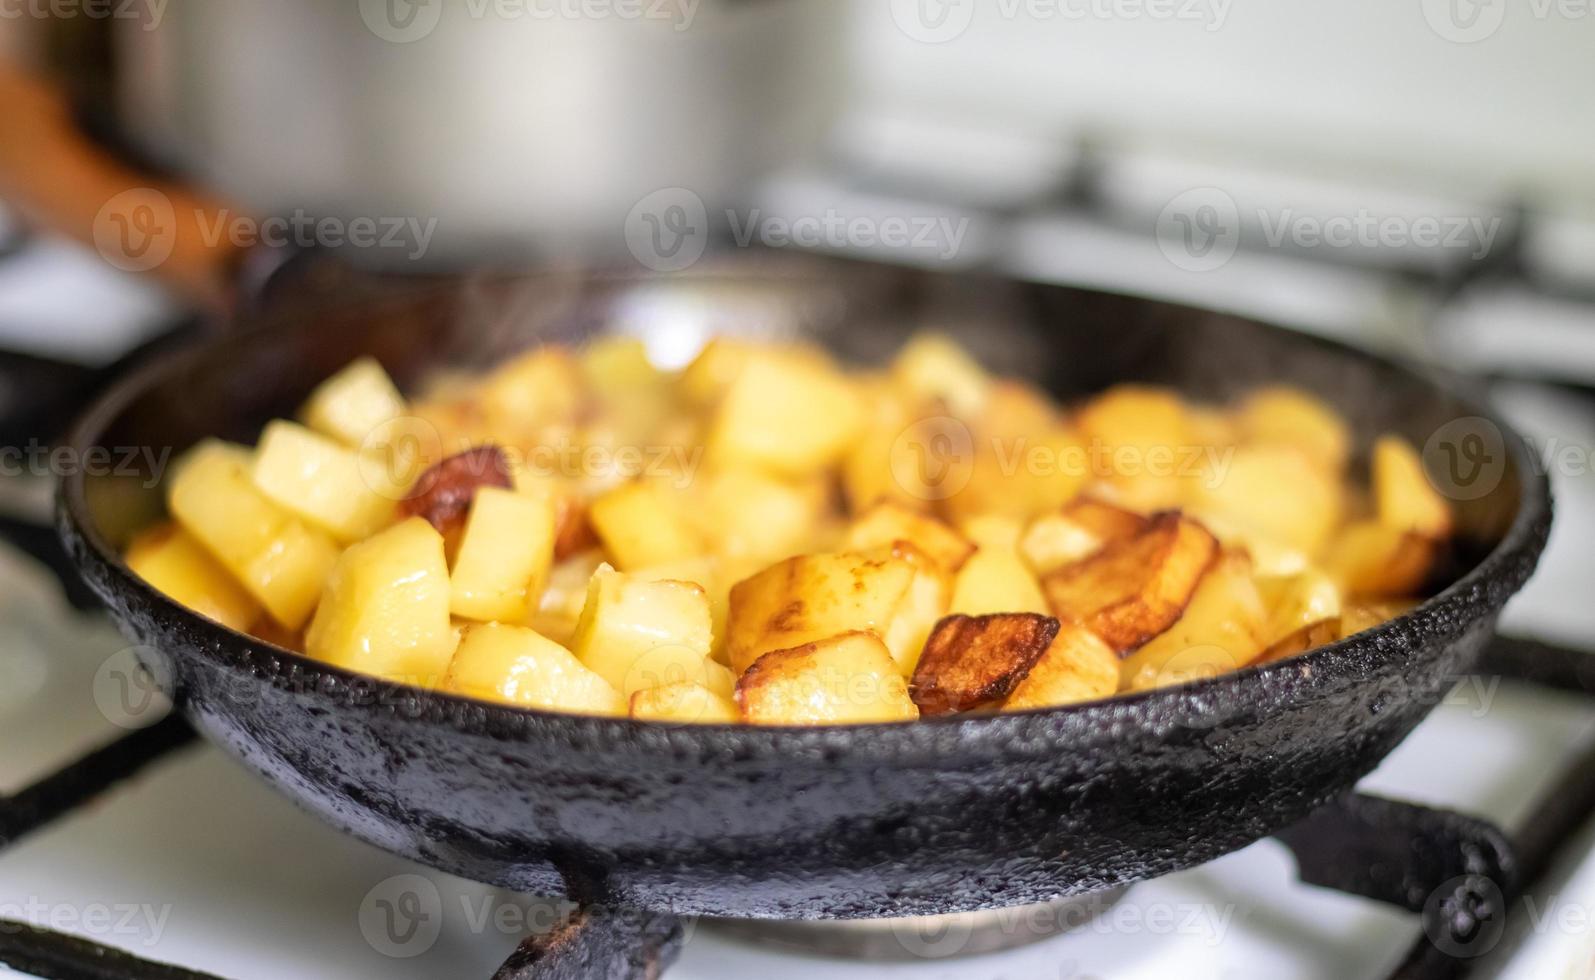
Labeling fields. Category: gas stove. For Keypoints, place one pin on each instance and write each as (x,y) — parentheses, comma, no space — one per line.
(126,844)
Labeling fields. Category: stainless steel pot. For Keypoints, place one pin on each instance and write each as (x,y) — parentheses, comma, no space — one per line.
(519,123)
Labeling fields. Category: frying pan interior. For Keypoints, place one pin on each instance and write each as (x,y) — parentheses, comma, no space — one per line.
(936,816)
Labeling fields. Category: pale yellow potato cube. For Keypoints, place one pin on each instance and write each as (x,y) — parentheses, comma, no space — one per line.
(637,634)
(992,530)
(1023,475)
(790,414)
(684,703)
(504,557)
(618,365)
(751,514)
(1371,559)
(322,482)
(811,597)
(1274,493)
(706,380)
(517,666)
(351,405)
(169,558)
(1296,601)
(1136,435)
(887,522)
(536,388)
(642,523)
(559,608)
(1403,496)
(279,559)
(386,609)
(1078,666)
(923,604)
(1223,628)
(1292,417)
(996,580)
(843,679)
(932,367)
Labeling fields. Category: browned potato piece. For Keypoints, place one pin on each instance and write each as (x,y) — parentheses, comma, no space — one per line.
(1134,589)
(887,522)
(1309,637)
(974,660)
(1107,521)
(1402,492)
(1076,530)
(838,680)
(1282,415)
(811,597)
(1077,666)
(1373,559)
(1222,628)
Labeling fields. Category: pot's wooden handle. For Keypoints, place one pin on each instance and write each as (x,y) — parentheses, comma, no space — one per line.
(57,179)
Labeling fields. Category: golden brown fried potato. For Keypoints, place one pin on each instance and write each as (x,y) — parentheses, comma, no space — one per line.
(1077,666)
(685,703)
(838,680)
(1275,493)
(1221,629)
(1374,560)
(1135,434)
(887,522)
(1289,416)
(1309,637)
(1134,589)
(811,597)
(1403,495)
(1078,529)
(974,660)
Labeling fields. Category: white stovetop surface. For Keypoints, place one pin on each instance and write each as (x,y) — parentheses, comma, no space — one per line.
(199,863)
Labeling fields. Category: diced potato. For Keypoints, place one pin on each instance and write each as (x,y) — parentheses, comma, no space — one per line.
(1403,495)
(1282,415)
(322,482)
(1022,475)
(1373,559)
(169,558)
(637,634)
(1222,629)
(1136,434)
(1276,493)
(1296,601)
(279,559)
(618,366)
(559,608)
(887,522)
(871,466)
(386,609)
(1269,557)
(973,661)
(791,415)
(923,605)
(992,530)
(504,556)
(642,524)
(751,514)
(811,597)
(842,679)
(719,680)
(684,703)
(1358,616)
(515,665)
(1134,589)
(996,580)
(351,405)
(932,367)
(1079,529)
(1077,666)
(1212,427)
(540,386)
(706,380)
(1302,639)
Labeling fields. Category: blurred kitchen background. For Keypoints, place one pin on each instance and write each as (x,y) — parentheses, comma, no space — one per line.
(1417,176)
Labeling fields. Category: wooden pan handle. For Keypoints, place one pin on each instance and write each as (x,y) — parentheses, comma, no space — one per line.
(59,180)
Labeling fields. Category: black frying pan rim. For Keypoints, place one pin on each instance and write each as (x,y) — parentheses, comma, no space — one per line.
(1032,733)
